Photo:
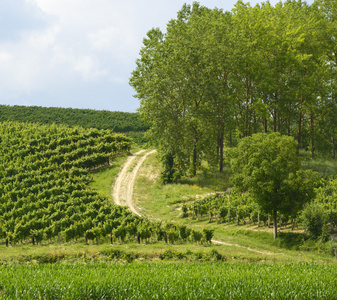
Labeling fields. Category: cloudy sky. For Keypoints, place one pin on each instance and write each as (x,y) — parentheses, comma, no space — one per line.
(78,53)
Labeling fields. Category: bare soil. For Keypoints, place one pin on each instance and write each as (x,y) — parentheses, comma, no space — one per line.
(122,191)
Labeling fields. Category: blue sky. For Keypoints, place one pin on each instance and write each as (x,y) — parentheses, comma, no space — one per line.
(78,53)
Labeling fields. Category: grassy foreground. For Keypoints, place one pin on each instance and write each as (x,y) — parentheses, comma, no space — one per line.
(169,281)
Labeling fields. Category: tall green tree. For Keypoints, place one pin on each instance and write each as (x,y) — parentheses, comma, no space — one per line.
(268,167)
(182,82)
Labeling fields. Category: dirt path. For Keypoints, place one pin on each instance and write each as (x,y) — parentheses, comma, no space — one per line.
(123,191)
(244,247)
(123,187)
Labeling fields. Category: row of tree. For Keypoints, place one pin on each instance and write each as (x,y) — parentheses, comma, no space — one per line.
(214,77)
(86,118)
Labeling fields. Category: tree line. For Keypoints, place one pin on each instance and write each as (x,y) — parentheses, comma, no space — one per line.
(214,77)
(117,121)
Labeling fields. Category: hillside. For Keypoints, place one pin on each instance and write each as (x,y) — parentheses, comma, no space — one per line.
(87,118)
(44,177)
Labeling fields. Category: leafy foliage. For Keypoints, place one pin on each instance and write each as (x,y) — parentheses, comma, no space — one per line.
(44,181)
(214,77)
(267,165)
(122,122)
(314,219)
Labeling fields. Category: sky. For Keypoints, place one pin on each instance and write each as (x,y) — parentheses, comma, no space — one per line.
(78,53)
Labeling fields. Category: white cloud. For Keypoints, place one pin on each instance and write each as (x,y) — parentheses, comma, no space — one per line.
(77,49)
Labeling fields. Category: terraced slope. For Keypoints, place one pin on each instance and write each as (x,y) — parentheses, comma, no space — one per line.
(44,176)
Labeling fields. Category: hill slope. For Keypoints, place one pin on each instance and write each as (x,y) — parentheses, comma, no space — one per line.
(44,177)
(86,118)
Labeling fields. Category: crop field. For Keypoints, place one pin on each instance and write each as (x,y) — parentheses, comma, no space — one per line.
(169,281)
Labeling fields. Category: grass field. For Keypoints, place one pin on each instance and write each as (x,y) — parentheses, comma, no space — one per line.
(169,281)
(104,178)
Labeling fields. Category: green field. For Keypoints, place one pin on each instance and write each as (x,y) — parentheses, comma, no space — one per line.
(248,265)
(169,281)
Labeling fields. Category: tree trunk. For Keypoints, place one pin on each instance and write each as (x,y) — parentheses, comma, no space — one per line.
(194,163)
(59,238)
(275,223)
(237,216)
(312,125)
(221,142)
(333,148)
(299,132)
(229,215)
(274,121)
(265,125)
(268,220)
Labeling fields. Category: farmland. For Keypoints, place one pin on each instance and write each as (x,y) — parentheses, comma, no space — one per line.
(223,186)
(94,270)
(169,281)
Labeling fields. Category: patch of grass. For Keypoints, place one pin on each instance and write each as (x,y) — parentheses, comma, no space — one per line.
(158,200)
(164,202)
(324,166)
(104,178)
(212,180)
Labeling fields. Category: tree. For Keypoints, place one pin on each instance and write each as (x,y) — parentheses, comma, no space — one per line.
(268,167)
(314,218)
(207,235)
(182,81)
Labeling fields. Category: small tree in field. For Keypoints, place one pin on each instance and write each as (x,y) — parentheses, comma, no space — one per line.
(314,218)
(268,167)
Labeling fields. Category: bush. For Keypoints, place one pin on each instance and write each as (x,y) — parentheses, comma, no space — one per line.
(208,234)
(314,218)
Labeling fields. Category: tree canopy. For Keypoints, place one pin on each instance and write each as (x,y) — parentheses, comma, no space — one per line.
(214,77)
(268,167)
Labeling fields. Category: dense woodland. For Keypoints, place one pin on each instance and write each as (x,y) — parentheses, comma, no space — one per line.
(215,77)
(87,118)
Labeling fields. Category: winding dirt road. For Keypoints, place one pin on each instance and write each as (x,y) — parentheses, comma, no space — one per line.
(123,187)
(122,191)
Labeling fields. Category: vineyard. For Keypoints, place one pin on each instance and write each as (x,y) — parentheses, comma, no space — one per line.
(87,118)
(45,172)
(240,208)
(44,192)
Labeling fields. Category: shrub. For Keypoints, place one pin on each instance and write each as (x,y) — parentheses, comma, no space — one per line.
(314,218)
(208,234)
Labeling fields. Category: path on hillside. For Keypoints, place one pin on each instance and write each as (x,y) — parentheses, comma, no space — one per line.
(123,187)
(122,191)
